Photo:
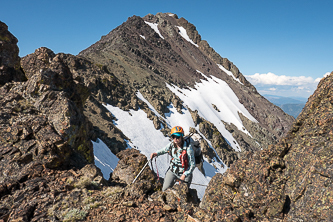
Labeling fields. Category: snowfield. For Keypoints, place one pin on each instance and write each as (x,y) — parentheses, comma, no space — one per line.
(144,137)
(154,27)
(105,160)
(183,33)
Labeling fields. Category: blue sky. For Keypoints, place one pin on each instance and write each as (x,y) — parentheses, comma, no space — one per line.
(288,42)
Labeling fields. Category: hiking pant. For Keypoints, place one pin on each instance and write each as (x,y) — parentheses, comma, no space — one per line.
(170,179)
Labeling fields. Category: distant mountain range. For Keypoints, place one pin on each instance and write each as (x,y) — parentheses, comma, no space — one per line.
(290,105)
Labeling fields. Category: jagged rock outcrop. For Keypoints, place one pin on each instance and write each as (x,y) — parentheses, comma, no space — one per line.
(98,80)
(290,181)
(92,81)
(45,141)
(9,58)
(53,92)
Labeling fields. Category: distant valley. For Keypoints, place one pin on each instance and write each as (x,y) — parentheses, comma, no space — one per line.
(290,105)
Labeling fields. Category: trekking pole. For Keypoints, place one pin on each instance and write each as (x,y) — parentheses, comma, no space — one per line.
(141,171)
(199,184)
(179,180)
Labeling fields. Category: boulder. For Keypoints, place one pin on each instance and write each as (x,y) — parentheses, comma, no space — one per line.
(131,162)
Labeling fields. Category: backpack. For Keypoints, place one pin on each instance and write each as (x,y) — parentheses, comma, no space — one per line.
(194,140)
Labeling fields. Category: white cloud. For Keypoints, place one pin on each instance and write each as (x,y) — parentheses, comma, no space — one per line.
(272,79)
(326,74)
(270,83)
(318,80)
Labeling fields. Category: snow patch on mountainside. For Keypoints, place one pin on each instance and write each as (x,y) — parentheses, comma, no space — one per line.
(183,33)
(105,160)
(214,91)
(229,73)
(154,27)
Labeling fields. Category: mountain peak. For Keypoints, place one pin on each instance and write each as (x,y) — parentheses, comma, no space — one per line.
(148,53)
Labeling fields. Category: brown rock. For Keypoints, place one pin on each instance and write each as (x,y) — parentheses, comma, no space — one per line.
(9,59)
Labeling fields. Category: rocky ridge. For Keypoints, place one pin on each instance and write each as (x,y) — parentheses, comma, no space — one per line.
(46,151)
(10,61)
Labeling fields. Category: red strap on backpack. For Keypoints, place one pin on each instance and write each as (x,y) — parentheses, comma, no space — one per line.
(184,160)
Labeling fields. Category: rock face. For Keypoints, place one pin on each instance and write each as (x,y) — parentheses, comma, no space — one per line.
(92,80)
(53,91)
(45,140)
(9,59)
(290,181)
(131,160)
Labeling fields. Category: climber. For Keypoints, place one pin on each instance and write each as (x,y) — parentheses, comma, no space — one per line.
(182,161)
